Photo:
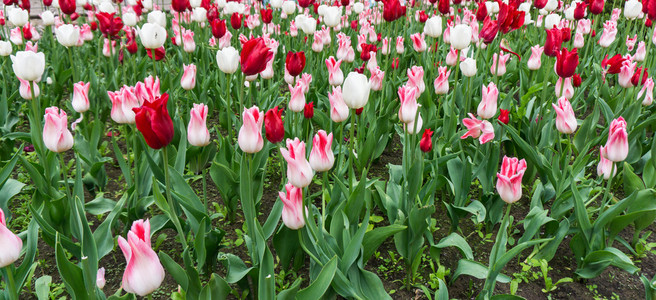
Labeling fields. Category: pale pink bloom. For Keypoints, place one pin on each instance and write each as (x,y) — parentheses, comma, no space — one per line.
(250,134)
(648,87)
(317,45)
(144,272)
(345,51)
(408,110)
(305,81)
(293,29)
(123,102)
(56,136)
(452,57)
(361,40)
(335,74)
(321,156)
(224,41)
(268,71)
(372,63)
(416,78)
(604,167)
(579,41)
(212,42)
(32,47)
(85,32)
(626,72)
(630,42)
(478,129)
(188,80)
(100,278)
(292,211)
(385,50)
(565,118)
(189,45)
(441,82)
(297,98)
(509,179)
(299,171)
(107,51)
(584,26)
(11,243)
(197,133)
(617,145)
(289,79)
(503,59)
(338,109)
(608,35)
(25,90)
(80,101)
(148,90)
(567,90)
(616,14)
(446,36)
(535,61)
(488,106)
(413,128)
(399,45)
(418,42)
(16,36)
(641,52)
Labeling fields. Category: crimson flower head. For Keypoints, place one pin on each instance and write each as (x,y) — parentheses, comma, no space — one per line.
(359,111)
(444,7)
(489,30)
(354,25)
(154,122)
(509,18)
(308,112)
(566,62)
(613,64)
(366,51)
(422,17)
(554,42)
(576,80)
(295,63)
(110,26)
(235,20)
(25,5)
(636,79)
(218,28)
(273,125)
(481,12)
(345,2)
(212,12)
(27,31)
(159,53)
(504,116)
(254,56)
(180,5)
(649,9)
(305,3)
(267,15)
(67,6)
(540,4)
(426,143)
(393,10)
(45,2)
(596,6)
(579,11)
(131,43)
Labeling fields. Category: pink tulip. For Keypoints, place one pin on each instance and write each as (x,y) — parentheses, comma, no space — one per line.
(631,42)
(509,179)
(80,100)
(567,90)
(362,39)
(608,36)
(212,42)
(413,128)
(144,272)
(32,47)
(297,100)
(100,278)
(648,91)
(503,59)
(189,45)
(85,33)
(488,106)
(224,41)
(399,45)
(292,211)
(293,29)
(148,90)
(478,129)
(188,80)
(317,45)
(305,81)
(535,61)
(16,36)
(418,42)
(25,90)
(452,57)
(197,133)
(11,243)
(250,134)
(584,26)
(441,83)
(321,156)
(579,41)
(335,74)
(626,72)
(641,52)
(338,109)
(56,136)
(372,63)
(107,51)
(123,102)
(416,78)
(408,110)
(604,167)
(299,171)
(446,36)
(385,50)
(268,71)
(345,51)
(617,146)
(565,118)
(376,79)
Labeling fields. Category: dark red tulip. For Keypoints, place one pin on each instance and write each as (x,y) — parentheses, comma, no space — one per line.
(87,6)
(393,10)
(489,30)
(235,21)
(180,5)
(567,34)
(254,56)
(636,79)
(47,3)
(509,18)
(345,2)
(649,8)
(93,25)
(395,63)
(110,26)
(554,42)
(566,62)
(359,111)
(131,44)
(27,32)
(273,126)
(25,4)
(579,11)
(267,15)
(481,12)
(218,28)
(9,2)
(576,80)
(504,116)
(422,17)
(305,3)
(212,13)
(354,25)
(360,69)
(444,7)
(295,63)
(67,6)
(648,23)
(159,53)
(154,122)
(315,7)
(596,6)
(74,16)
(2,21)
(365,55)
(613,65)
(426,143)
(540,4)
(308,112)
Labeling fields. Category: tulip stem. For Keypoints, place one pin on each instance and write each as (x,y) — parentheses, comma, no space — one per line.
(340,158)
(152,55)
(207,209)
(229,102)
(324,181)
(352,148)
(70,58)
(11,283)
(174,215)
(607,191)
(64,175)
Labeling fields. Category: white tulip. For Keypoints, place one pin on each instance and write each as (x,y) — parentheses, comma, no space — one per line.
(152,35)
(355,90)
(67,35)
(28,65)
(228,60)
(461,36)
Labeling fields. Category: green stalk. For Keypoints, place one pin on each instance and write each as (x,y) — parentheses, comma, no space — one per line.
(174,215)
(607,190)
(207,209)
(64,174)
(229,100)
(11,283)
(352,147)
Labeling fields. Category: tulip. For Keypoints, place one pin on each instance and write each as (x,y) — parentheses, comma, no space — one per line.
(392,10)
(509,179)
(608,35)
(613,65)
(254,56)
(28,65)
(110,25)
(399,45)
(478,129)
(441,83)
(566,91)
(452,57)
(554,42)
(218,28)
(418,42)
(489,30)
(626,73)
(648,91)
(157,17)
(504,116)
(67,35)
(228,60)
(339,112)
(416,78)
(605,166)
(292,211)
(408,109)
(152,35)
(267,15)
(636,78)
(335,74)
(461,36)
(250,134)
(305,81)
(154,122)
(299,171)
(413,128)
(289,7)
(100,278)
(501,69)
(297,97)
(5,48)
(129,19)
(122,104)
(355,90)
(566,63)
(188,80)
(433,27)
(18,17)
(376,79)
(565,118)
(197,133)
(596,6)
(144,272)
(148,90)
(80,101)
(321,156)
(11,244)
(444,7)
(488,106)
(426,143)
(617,146)
(273,125)
(189,45)
(332,16)
(56,136)
(468,67)
(632,9)
(25,90)
(295,62)
(535,61)
(641,51)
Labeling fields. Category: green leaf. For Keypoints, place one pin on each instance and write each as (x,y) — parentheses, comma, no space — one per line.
(71,274)
(42,287)
(475,269)
(319,286)
(176,271)
(374,238)
(597,261)
(453,240)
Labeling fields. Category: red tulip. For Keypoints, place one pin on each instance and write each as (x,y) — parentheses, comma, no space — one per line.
(218,28)
(267,15)
(159,53)
(359,111)
(110,26)
(27,31)
(540,4)
(25,4)
(212,12)
(579,11)
(635,79)
(67,6)
(509,18)
(444,7)
(577,80)
(345,2)
(93,25)
(596,6)
(308,112)
(295,63)
(554,42)
(481,12)
(45,2)
(305,3)
(504,116)
(354,25)
(154,122)
(393,10)
(566,62)
(426,143)
(254,56)
(235,21)
(422,19)
(489,30)
(180,5)
(567,34)
(273,125)
(366,51)
(614,64)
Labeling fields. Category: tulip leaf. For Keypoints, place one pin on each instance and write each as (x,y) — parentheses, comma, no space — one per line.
(176,271)
(452,240)
(374,238)
(42,287)
(71,274)
(597,261)
(475,269)
(320,284)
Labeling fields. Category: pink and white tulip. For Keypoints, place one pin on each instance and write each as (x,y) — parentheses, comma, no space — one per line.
(144,272)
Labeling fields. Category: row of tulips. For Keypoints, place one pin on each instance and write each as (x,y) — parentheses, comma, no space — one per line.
(207,96)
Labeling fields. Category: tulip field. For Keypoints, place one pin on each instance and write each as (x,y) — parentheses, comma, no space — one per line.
(317,149)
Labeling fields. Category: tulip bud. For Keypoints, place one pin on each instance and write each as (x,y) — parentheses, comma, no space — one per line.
(565,118)
(509,179)
(80,101)
(273,125)
(488,106)
(292,211)
(152,35)
(154,122)
(144,272)
(426,143)
(100,278)
(355,90)
(11,243)
(56,136)
(308,111)
(197,133)
(299,171)
(321,156)
(228,60)
(188,80)
(504,116)
(250,134)
(617,146)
